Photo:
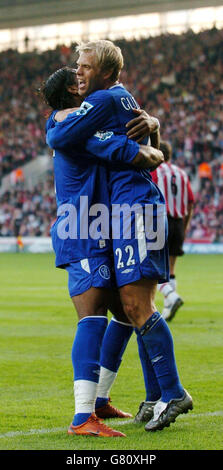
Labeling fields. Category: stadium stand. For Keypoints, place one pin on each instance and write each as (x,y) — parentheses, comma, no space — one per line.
(177,78)
(28,213)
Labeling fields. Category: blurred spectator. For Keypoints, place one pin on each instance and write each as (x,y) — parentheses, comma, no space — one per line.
(17,176)
(22,115)
(204,172)
(28,213)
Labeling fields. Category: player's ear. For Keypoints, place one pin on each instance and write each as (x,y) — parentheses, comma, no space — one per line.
(107,74)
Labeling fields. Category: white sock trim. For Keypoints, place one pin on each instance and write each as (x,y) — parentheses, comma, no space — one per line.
(121,322)
(92,316)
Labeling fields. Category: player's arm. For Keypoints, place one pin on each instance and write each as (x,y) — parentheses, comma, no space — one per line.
(80,126)
(144,126)
(155,138)
(114,147)
(83,123)
(190,208)
(188,217)
(148,157)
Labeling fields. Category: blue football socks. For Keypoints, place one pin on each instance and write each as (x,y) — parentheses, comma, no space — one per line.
(86,364)
(158,341)
(152,387)
(114,343)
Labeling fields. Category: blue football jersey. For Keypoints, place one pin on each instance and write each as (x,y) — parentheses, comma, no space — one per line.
(104,112)
(80,186)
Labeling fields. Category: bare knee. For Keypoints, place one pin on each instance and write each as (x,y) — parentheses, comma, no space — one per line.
(116,308)
(132,311)
(131,305)
(138,302)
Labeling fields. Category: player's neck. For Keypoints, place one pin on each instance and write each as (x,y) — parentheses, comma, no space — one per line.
(110,84)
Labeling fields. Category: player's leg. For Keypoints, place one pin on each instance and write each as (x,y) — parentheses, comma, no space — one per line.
(135,276)
(173,281)
(139,306)
(130,261)
(92,302)
(139,263)
(138,303)
(91,307)
(172,300)
(138,300)
(116,338)
(114,344)
(152,388)
(139,297)
(175,247)
(91,310)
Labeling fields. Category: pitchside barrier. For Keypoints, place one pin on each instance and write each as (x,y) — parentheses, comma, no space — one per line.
(44,245)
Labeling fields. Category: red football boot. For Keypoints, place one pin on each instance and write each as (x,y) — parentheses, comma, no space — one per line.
(94,427)
(109,411)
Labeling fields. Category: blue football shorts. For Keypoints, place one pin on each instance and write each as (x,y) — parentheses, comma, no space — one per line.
(89,272)
(140,250)
(144,253)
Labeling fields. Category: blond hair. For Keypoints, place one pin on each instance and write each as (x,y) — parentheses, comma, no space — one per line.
(109,57)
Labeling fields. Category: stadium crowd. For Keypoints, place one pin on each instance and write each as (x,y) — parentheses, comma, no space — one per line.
(28,213)
(176,78)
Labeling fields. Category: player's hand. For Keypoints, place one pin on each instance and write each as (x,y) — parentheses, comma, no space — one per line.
(61,115)
(142,126)
(148,158)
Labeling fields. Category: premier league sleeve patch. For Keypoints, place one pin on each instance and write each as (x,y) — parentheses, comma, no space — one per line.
(84,108)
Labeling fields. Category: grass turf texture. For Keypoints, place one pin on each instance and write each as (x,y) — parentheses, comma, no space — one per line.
(37,328)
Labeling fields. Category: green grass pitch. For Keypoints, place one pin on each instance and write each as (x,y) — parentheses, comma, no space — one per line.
(36,334)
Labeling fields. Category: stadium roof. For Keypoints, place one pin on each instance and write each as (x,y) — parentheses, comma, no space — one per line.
(19,13)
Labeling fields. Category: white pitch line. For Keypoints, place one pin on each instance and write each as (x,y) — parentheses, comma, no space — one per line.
(110,422)
(31,432)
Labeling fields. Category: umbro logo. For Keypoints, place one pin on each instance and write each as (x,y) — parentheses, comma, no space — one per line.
(156,359)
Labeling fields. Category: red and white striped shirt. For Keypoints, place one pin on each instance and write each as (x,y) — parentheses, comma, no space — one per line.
(175,186)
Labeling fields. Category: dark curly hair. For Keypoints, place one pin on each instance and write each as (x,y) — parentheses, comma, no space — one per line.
(55,92)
